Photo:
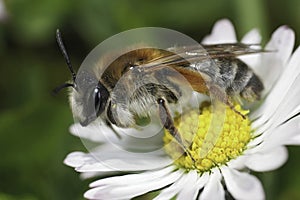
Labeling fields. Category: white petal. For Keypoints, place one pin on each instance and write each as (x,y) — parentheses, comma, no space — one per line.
(295,110)
(193,189)
(106,158)
(276,110)
(149,138)
(287,108)
(93,133)
(294,140)
(134,185)
(282,134)
(282,41)
(213,190)
(202,181)
(190,190)
(222,32)
(242,185)
(87,175)
(172,190)
(123,165)
(77,159)
(238,163)
(257,141)
(125,161)
(252,37)
(290,105)
(252,60)
(267,161)
(133,178)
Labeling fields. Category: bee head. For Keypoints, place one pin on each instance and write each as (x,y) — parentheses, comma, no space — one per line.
(88,96)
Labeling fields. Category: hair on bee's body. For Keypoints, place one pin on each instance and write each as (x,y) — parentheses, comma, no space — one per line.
(134,91)
(120,91)
(136,79)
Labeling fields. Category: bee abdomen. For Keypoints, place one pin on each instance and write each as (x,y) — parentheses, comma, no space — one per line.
(239,79)
(228,71)
(253,89)
(242,76)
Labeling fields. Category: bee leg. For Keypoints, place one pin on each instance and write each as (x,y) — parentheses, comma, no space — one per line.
(228,103)
(218,93)
(167,121)
(109,124)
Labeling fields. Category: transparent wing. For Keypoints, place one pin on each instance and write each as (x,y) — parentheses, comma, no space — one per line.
(192,54)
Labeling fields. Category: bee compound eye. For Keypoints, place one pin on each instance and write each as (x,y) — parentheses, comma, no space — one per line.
(100,98)
(97,99)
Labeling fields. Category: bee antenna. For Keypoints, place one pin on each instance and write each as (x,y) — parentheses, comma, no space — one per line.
(66,56)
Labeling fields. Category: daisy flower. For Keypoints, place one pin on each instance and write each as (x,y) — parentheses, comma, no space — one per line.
(135,166)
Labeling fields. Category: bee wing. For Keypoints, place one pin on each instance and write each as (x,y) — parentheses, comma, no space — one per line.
(190,54)
(232,49)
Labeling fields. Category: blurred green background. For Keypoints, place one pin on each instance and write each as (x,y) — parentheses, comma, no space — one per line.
(34,136)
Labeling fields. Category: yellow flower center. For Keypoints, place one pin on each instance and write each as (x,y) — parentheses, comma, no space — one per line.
(208,149)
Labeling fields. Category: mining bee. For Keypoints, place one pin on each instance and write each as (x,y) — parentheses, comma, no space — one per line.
(124,90)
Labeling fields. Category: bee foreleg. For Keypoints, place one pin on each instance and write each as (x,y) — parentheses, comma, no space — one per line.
(168,123)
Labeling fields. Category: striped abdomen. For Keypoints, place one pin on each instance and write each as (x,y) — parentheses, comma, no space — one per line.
(239,79)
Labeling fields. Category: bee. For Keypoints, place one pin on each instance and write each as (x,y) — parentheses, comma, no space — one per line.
(126,88)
